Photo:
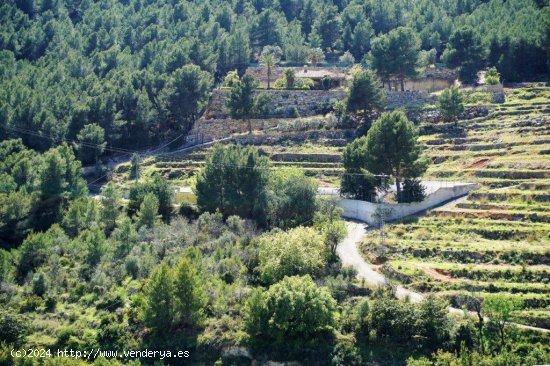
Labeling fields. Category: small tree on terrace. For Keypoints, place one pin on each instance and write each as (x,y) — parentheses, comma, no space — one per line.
(451,104)
(270,57)
(290,77)
(492,76)
(499,310)
(241,99)
(148,212)
(365,94)
(315,56)
(392,148)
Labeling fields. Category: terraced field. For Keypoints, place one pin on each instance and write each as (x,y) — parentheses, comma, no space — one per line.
(497,239)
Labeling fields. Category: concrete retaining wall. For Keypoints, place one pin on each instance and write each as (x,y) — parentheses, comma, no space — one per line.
(367,211)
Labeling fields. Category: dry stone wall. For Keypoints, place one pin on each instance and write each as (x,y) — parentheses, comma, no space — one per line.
(310,102)
(214,129)
(408,98)
(281,102)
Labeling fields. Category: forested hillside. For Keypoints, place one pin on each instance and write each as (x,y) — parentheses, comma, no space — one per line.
(118,234)
(139,72)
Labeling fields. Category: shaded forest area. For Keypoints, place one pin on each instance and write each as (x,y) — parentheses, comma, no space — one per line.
(131,74)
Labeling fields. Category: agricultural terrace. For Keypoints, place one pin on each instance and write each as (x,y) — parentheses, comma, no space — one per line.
(497,239)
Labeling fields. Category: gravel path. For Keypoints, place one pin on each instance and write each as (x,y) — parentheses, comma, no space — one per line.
(348,252)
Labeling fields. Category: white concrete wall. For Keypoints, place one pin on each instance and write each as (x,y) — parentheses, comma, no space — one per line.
(366,211)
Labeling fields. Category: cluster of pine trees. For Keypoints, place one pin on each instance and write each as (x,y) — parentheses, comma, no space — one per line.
(132,73)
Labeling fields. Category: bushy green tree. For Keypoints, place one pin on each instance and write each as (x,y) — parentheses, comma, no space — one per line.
(292,199)
(95,245)
(267,29)
(328,27)
(39,284)
(365,94)
(392,148)
(185,94)
(392,319)
(189,293)
(13,327)
(240,100)
(110,206)
(396,55)
(465,52)
(234,181)
(356,181)
(451,104)
(434,325)
(91,143)
(148,211)
(124,236)
(82,213)
(60,179)
(159,302)
(160,187)
(492,76)
(34,252)
(294,316)
(360,43)
(499,310)
(298,251)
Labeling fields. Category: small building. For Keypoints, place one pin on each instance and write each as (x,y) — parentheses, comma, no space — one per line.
(336,77)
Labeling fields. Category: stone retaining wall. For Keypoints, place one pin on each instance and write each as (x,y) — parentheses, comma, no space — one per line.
(311,102)
(336,137)
(496,91)
(408,98)
(213,129)
(282,102)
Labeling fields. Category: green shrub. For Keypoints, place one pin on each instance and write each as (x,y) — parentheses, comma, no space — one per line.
(294,317)
(298,251)
(39,284)
(31,303)
(13,327)
(479,98)
(492,76)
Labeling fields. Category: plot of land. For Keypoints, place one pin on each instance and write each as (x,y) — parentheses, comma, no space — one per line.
(497,239)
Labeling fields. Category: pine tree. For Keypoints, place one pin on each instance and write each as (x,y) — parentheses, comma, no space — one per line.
(392,148)
(451,104)
(148,211)
(91,143)
(240,101)
(190,297)
(158,305)
(365,94)
(110,206)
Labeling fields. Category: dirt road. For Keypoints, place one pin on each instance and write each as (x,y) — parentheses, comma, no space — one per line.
(348,251)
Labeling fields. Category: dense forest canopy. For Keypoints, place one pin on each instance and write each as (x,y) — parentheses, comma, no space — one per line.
(142,70)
